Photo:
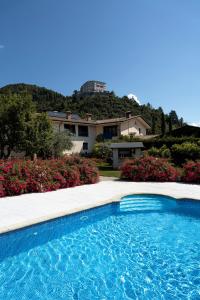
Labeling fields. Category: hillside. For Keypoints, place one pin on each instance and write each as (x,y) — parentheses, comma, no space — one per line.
(99,105)
(44,98)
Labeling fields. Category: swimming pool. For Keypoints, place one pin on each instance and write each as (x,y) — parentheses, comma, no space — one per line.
(146,247)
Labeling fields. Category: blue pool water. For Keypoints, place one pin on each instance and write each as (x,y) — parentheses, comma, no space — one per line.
(146,247)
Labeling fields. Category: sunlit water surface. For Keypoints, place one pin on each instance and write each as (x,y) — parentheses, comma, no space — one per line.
(133,251)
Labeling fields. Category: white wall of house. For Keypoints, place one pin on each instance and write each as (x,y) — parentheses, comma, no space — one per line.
(132,126)
(78,141)
(129,126)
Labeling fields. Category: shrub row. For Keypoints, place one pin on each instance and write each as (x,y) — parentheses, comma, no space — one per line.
(179,153)
(159,170)
(25,176)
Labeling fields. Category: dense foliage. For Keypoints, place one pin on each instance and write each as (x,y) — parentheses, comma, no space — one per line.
(25,176)
(187,130)
(15,121)
(191,172)
(60,143)
(179,153)
(163,152)
(106,105)
(149,169)
(184,152)
(159,141)
(102,150)
(24,130)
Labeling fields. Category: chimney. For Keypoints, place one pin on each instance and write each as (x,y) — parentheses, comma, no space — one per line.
(128,114)
(88,117)
(68,115)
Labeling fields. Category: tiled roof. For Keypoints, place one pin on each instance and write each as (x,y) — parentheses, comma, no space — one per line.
(57,116)
(116,119)
(62,115)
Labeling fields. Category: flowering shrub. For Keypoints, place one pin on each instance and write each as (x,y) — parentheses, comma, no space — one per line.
(149,169)
(191,172)
(25,176)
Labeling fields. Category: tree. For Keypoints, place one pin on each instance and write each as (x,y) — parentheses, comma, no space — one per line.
(181,122)
(15,118)
(61,141)
(170,126)
(39,136)
(163,124)
(153,126)
(22,129)
(102,150)
(174,118)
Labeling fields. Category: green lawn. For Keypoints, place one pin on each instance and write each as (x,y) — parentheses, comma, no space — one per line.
(105,169)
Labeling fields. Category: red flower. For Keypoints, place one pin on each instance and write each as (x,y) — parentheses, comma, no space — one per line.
(149,169)
(25,176)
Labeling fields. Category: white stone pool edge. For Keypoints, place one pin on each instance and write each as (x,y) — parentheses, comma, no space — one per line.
(25,210)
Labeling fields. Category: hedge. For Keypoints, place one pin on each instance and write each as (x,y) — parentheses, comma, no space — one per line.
(191,172)
(149,169)
(25,176)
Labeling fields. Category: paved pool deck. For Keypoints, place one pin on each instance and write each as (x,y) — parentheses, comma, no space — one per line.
(24,210)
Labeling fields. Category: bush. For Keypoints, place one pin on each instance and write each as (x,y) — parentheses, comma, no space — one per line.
(153,151)
(186,151)
(149,169)
(163,152)
(25,176)
(191,172)
(100,138)
(102,150)
(61,141)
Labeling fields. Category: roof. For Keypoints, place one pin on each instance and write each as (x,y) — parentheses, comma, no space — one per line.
(56,116)
(62,115)
(123,119)
(96,81)
(127,145)
(185,131)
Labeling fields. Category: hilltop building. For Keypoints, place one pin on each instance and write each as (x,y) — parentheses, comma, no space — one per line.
(85,131)
(93,86)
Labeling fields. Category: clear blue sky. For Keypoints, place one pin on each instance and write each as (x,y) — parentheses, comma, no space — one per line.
(150,48)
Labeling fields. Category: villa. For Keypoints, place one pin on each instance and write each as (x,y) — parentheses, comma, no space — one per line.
(85,131)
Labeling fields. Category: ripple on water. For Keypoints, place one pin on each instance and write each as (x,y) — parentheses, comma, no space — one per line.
(129,256)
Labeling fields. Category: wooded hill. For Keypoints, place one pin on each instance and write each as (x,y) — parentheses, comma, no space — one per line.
(106,105)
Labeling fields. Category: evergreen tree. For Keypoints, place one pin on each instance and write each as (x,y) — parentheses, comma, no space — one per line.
(174,118)
(153,126)
(170,124)
(163,124)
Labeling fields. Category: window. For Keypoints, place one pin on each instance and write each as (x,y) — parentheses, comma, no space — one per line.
(110,131)
(82,130)
(139,129)
(124,153)
(71,128)
(85,146)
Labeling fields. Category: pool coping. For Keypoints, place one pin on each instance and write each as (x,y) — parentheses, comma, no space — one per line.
(23,221)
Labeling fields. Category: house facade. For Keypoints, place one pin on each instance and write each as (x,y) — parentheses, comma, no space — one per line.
(85,131)
(93,86)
